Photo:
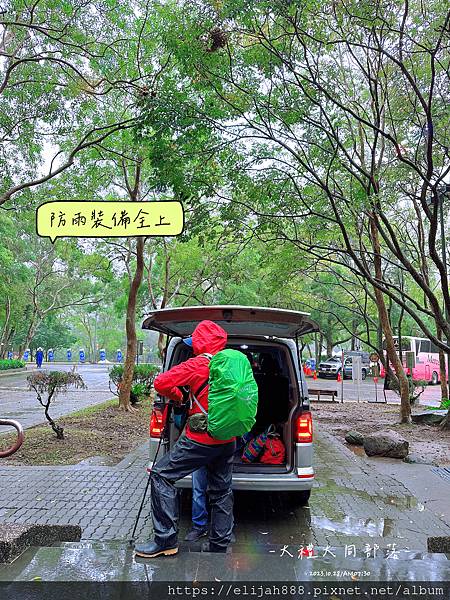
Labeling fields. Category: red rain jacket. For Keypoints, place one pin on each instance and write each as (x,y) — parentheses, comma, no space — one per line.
(210,338)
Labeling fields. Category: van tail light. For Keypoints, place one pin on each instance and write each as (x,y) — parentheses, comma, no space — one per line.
(303,428)
(157,421)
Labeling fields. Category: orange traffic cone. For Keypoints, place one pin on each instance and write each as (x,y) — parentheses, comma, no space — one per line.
(339,378)
(315,375)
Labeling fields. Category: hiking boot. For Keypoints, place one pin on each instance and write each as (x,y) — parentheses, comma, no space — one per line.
(196,533)
(151,549)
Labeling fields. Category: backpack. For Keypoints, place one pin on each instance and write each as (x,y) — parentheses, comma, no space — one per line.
(274,451)
(232,395)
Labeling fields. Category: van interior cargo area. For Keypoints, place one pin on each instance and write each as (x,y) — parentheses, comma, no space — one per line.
(276,398)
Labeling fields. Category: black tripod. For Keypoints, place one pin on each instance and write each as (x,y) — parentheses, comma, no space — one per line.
(164,439)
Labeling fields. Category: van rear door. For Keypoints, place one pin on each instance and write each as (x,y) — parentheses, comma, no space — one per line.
(236,320)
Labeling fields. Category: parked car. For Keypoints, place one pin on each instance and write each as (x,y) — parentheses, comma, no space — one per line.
(348,367)
(333,365)
(283,396)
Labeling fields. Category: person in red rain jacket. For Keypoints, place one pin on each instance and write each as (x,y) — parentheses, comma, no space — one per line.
(192,451)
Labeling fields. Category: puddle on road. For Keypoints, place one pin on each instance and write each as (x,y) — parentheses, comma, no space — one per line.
(405,503)
(352,526)
(325,482)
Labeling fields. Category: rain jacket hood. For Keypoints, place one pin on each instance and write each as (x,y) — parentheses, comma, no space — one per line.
(208,337)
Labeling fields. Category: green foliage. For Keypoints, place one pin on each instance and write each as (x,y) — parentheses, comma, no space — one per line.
(142,383)
(139,391)
(11,364)
(285,128)
(53,333)
(444,405)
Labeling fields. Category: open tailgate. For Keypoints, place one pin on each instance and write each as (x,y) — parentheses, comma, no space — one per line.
(236,320)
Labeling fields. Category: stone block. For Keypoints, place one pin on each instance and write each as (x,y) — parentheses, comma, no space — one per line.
(429,417)
(15,538)
(439,544)
(354,437)
(386,443)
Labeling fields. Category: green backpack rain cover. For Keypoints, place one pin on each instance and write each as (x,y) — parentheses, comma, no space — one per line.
(232,396)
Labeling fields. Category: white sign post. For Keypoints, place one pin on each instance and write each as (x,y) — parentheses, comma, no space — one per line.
(357,374)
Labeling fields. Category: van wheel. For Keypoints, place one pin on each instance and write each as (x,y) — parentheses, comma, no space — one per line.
(434,378)
(300,498)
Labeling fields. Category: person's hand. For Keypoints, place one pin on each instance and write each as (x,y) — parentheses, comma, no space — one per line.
(185,391)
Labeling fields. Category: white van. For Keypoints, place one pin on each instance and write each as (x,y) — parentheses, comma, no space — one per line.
(268,336)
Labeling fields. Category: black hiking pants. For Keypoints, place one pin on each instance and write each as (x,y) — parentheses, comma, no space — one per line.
(186,457)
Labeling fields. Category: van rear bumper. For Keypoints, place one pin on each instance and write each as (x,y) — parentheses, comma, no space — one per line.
(300,479)
(268,483)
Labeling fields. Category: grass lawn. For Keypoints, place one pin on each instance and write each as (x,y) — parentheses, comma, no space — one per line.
(100,430)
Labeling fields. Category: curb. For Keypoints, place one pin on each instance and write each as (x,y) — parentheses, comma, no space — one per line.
(5,372)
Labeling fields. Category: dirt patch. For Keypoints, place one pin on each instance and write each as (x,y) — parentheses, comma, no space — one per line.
(101,430)
(430,442)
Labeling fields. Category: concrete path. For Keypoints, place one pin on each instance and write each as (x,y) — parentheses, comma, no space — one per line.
(16,402)
(353,504)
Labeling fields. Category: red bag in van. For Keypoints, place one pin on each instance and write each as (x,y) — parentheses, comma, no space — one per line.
(274,452)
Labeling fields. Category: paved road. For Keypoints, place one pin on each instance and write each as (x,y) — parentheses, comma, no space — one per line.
(16,402)
(371,391)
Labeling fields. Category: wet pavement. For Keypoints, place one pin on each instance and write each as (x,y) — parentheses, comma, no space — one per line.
(360,519)
(360,524)
(352,504)
(16,402)
(114,561)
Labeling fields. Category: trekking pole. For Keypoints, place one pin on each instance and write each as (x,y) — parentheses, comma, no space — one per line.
(164,436)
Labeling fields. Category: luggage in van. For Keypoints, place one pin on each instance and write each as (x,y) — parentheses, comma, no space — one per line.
(274,451)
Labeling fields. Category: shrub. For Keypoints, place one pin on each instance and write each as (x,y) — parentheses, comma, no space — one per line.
(143,378)
(50,384)
(12,363)
(416,387)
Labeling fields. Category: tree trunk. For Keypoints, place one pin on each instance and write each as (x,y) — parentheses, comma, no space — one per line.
(161,345)
(318,345)
(30,335)
(5,329)
(56,428)
(130,326)
(354,338)
(329,347)
(442,369)
(405,405)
